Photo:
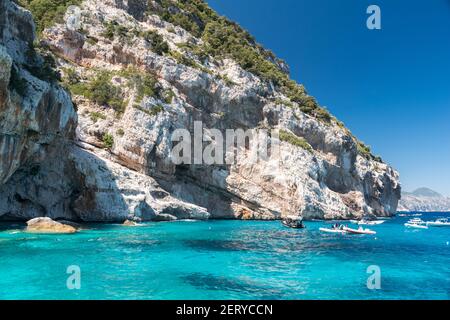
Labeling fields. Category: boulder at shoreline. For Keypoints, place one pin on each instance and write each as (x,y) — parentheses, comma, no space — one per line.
(47,225)
(130,223)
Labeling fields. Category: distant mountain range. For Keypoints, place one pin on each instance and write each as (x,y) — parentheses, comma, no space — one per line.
(424,200)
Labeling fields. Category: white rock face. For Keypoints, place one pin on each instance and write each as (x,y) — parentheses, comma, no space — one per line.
(135,179)
(112,192)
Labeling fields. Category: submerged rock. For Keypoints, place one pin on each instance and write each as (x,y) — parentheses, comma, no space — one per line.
(130,223)
(47,225)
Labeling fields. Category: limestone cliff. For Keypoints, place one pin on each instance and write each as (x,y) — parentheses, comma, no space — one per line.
(139,70)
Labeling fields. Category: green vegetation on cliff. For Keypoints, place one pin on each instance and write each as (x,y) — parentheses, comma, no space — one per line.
(145,84)
(366,152)
(189,62)
(95,116)
(295,140)
(114,29)
(108,141)
(151,112)
(223,38)
(101,91)
(156,41)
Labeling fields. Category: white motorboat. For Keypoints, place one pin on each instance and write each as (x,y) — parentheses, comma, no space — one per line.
(332,230)
(360,230)
(370,222)
(416,223)
(443,222)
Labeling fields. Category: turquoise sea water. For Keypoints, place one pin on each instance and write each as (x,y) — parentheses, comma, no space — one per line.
(226,260)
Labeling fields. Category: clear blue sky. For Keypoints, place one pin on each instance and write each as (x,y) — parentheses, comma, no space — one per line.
(391,87)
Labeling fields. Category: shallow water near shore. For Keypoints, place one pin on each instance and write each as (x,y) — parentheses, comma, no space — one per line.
(226,260)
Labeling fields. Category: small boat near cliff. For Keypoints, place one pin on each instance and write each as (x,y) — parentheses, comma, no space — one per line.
(416,223)
(295,222)
(370,222)
(336,228)
(416,226)
(443,222)
(343,230)
(332,230)
(366,222)
(360,230)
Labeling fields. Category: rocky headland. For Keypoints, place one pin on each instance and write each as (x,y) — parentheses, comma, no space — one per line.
(424,200)
(89,99)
